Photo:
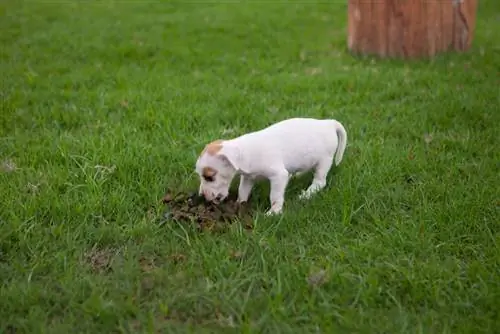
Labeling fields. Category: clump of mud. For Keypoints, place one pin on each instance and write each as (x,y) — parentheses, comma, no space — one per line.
(193,208)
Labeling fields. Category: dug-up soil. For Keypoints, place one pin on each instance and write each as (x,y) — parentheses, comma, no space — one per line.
(193,208)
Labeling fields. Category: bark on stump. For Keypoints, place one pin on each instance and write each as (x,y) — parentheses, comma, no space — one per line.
(410,28)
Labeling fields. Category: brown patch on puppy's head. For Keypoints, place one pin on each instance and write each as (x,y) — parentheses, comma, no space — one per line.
(208,172)
(215,170)
(213,147)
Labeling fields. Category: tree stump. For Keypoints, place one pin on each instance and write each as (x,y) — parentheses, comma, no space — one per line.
(410,28)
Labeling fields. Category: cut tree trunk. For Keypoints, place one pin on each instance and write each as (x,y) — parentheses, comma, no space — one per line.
(410,28)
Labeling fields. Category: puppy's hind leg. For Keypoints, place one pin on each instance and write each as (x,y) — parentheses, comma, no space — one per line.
(319,180)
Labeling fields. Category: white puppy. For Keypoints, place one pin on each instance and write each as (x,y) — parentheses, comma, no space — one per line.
(292,146)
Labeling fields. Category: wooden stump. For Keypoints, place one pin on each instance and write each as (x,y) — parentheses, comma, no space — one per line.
(410,28)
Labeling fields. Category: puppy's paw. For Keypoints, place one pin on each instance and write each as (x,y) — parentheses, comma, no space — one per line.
(272,212)
(305,194)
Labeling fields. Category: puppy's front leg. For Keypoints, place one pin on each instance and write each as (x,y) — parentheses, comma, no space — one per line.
(278,182)
(246,185)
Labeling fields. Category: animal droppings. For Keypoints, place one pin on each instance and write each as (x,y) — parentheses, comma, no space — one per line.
(193,208)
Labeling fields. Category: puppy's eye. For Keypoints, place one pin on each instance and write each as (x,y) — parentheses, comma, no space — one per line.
(208,178)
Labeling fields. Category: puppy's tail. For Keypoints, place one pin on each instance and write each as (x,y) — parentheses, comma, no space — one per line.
(342,137)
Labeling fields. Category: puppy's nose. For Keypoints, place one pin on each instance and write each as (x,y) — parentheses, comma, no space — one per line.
(219,197)
(208,195)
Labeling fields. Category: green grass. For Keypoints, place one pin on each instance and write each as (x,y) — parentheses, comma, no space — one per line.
(406,234)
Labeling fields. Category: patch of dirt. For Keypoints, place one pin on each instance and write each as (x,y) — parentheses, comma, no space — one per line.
(99,259)
(147,284)
(193,208)
(147,265)
(177,258)
(317,278)
(8,166)
(236,255)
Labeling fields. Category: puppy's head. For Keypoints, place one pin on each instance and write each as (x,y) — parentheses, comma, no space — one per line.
(217,166)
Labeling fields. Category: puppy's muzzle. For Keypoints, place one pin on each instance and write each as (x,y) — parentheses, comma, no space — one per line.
(212,197)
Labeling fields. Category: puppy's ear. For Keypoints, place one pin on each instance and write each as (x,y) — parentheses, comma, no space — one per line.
(233,156)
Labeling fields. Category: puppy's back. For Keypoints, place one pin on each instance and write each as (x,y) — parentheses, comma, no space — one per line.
(299,143)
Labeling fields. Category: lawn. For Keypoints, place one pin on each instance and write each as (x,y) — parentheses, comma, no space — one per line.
(107,104)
